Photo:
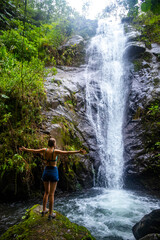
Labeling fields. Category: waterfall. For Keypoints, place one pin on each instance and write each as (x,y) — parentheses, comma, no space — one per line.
(105,97)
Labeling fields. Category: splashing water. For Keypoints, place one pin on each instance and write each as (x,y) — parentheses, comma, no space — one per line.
(108,214)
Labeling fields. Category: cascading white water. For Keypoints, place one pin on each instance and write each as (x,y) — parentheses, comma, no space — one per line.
(105,96)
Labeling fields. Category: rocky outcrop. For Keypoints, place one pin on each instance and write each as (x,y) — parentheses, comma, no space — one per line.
(141,128)
(148,227)
(72,53)
(66,121)
(134,50)
(34,226)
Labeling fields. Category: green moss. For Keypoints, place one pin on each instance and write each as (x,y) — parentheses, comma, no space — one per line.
(138,113)
(137,65)
(151,127)
(36,227)
(156,81)
(147,57)
(58,119)
(70,139)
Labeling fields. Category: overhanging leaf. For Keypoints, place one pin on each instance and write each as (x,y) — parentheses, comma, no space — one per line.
(146,6)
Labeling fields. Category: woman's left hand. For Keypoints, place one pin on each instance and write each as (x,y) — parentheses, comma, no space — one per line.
(22,149)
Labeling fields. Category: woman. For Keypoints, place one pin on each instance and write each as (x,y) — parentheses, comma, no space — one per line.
(50,175)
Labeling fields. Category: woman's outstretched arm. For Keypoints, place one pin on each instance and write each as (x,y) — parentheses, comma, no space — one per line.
(69,152)
(42,150)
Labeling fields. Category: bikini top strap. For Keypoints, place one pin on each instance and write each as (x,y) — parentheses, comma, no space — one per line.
(52,156)
(45,154)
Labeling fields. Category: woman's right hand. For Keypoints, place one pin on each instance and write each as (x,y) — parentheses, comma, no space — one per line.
(83,151)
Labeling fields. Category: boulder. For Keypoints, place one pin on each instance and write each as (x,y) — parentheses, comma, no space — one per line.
(72,53)
(72,41)
(149,224)
(34,227)
(154,236)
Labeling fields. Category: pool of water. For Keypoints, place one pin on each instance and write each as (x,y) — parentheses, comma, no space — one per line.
(108,214)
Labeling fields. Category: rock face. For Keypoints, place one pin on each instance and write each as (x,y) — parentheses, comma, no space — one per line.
(141,129)
(67,122)
(37,227)
(149,225)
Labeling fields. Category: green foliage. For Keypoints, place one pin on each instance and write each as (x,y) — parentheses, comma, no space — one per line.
(32,41)
(154,109)
(19,45)
(7,12)
(21,96)
(151,125)
(145,5)
(151,5)
(52,36)
(148,24)
(132,7)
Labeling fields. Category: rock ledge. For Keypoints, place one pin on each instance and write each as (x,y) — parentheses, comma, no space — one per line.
(34,227)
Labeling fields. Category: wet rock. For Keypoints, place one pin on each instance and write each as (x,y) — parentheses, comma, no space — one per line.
(132,35)
(134,50)
(155,48)
(149,224)
(34,227)
(127,19)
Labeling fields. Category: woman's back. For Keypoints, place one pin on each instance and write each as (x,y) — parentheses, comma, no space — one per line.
(50,157)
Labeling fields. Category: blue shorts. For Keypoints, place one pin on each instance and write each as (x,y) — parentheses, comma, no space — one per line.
(50,174)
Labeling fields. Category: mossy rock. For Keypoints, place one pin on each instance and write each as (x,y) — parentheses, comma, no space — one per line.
(36,227)
(137,65)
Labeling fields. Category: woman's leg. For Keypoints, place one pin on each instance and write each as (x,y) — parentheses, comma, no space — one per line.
(46,194)
(53,186)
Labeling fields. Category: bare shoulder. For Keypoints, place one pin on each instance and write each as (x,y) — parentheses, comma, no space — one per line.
(41,150)
(58,151)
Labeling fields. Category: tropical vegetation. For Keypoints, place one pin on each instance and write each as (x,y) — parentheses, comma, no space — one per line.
(31,32)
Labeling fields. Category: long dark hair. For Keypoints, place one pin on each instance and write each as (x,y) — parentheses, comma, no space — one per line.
(52,142)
